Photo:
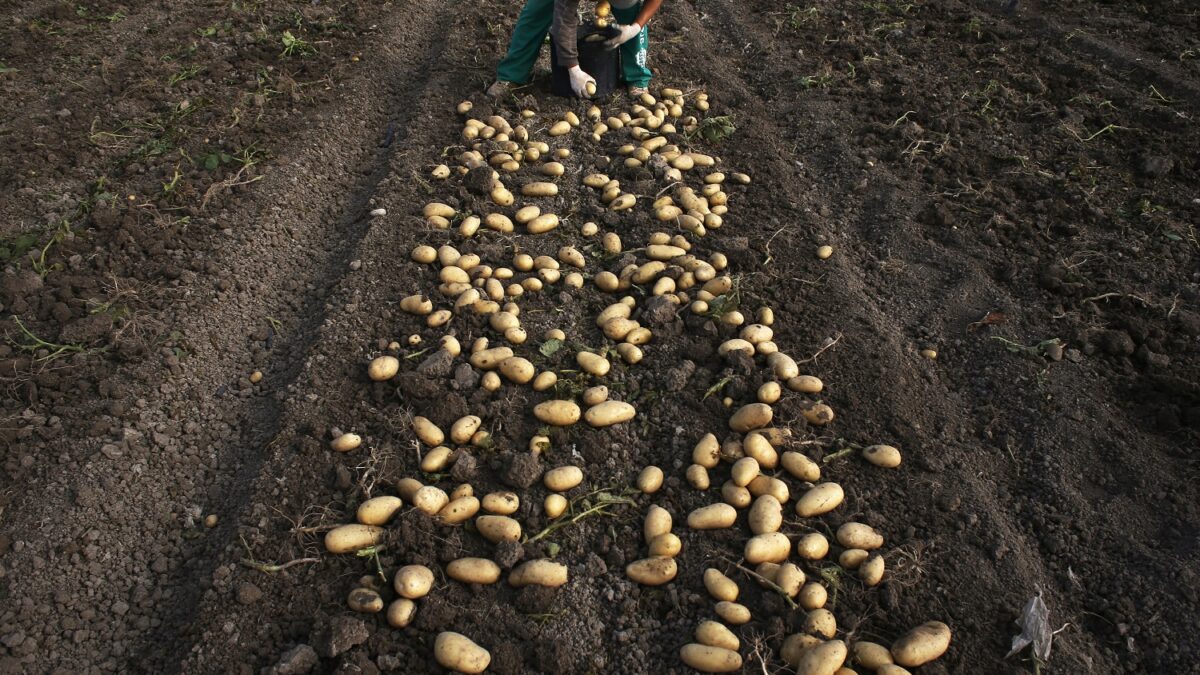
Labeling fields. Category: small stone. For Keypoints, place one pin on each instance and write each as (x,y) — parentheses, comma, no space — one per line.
(376,213)
(340,635)
(298,660)
(248,593)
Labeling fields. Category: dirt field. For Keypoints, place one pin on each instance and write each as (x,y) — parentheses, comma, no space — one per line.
(187,195)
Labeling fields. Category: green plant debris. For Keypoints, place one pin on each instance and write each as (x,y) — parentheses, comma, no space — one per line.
(714,129)
(550,347)
(1037,350)
(598,503)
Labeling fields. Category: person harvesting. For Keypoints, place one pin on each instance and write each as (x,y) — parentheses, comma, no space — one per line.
(559,18)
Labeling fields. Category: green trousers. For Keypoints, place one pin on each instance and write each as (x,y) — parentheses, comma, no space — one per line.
(534,24)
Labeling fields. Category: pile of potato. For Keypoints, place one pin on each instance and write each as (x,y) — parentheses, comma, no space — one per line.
(753,460)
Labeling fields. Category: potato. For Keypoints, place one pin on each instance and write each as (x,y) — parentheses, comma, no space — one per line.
(715,634)
(623,202)
(795,645)
(812,596)
(852,558)
(806,384)
(707,452)
(349,538)
(769,393)
(751,416)
(498,528)
(818,414)
(630,354)
(712,517)
(364,600)
(473,571)
(783,366)
(383,368)
(744,470)
(427,431)
(766,515)
(438,209)
(823,252)
(710,659)
(658,521)
(870,655)
(822,498)
(812,546)
(892,669)
(758,447)
(378,510)
(884,456)
(859,535)
(457,652)
(539,189)
(540,572)
(458,510)
(735,495)
(424,254)
(563,478)
(430,499)
(770,547)
(346,442)
(922,644)
(609,413)
(501,503)
(732,612)
(801,466)
(719,586)
(665,545)
(464,490)
(555,505)
(545,380)
(871,571)
(557,413)
(697,477)
(490,381)
(593,364)
(790,579)
(437,459)
(820,622)
(407,487)
(652,571)
(488,359)
(650,480)
(823,659)
(401,612)
(561,128)
(413,581)
(595,395)
(596,180)
(766,485)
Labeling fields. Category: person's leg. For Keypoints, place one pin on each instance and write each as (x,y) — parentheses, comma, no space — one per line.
(528,35)
(633,53)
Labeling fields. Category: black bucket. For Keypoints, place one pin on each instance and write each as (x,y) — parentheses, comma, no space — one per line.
(602,64)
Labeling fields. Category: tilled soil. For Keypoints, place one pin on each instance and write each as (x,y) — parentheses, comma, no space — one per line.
(1015,191)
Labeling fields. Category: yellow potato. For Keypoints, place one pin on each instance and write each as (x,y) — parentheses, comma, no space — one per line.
(709,659)
(820,622)
(400,613)
(557,413)
(473,571)
(665,545)
(650,480)
(790,579)
(488,359)
(438,209)
(609,413)
(870,655)
(758,447)
(517,369)
(595,395)
(364,600)
(735,495)
(707,452)
(884,456)
(543,223)
(458,510)
(631,354)
(349,538)
(652,571)
(769,393)
(427,431)
(555,505)
(818,414)
(766,515)
(623,202)
(732,612)
(378,510)
(822,659)
(697,477)
(498,528)
(464,490)
(712,517)
(859,535)
(593,364)
(801,466)
(794,647)
(783,366)
(407,487)
(770,547)
(871,571)
(922,644)
(539,189)
(413,581)
(459,653)
(346,442)
(751,416)
(806,384)
(430,499)
(424,254)
(744,470)
(853,558)
(501,503)
(464,427)
(658,521)
(563,478)
(383,368)
(812,546)
(544,381)
(719,586)
(561,128)
(766,485)
(437,459)
(821,499)
(715,634)
(540,572)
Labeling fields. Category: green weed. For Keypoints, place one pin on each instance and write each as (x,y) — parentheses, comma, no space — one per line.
(293,45)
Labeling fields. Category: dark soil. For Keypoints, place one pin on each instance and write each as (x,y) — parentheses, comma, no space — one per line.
(186,204)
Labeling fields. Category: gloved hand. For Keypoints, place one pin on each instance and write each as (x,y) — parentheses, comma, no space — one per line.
(579,81)
(624,34)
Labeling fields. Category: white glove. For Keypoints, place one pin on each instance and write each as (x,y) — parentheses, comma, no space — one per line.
(579,81)
(624,34)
